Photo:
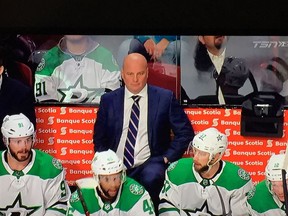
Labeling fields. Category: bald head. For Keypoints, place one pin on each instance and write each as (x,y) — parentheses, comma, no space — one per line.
(134,58)
(134,72)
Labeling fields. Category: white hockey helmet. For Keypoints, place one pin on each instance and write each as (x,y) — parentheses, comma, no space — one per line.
(16,126)
(211,141)
(273,170)
(106,163)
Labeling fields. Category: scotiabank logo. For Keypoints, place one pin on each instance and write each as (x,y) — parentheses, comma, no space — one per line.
(215,122)
(51,120)
(63,131)
(51,140)
(63,110)
(227,153)
(63,151)
(269,143)
(227,112)
(227,132)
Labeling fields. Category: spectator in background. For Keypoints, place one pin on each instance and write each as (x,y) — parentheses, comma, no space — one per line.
(32,181)
(160,114)
(268,197)
(15,97)
(162,48)
(109,192)
(205,184)
(213,67)
(78,70)
(275,77)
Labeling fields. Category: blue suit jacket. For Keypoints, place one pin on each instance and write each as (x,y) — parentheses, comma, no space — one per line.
(164,114)
(15,98)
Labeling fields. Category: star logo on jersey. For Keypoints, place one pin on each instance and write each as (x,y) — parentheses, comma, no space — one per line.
(18,209)
(79,93)
(200,211)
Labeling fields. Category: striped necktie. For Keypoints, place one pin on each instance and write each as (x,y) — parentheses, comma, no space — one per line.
(132,133)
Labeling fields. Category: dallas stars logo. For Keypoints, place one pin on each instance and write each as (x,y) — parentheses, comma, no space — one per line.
(18,209)
(202,209)
(79,93)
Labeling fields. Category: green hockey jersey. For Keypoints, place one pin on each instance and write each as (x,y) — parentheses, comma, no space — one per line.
(64,77)
(133,200)
(185,192)
(262,202)
(39,189)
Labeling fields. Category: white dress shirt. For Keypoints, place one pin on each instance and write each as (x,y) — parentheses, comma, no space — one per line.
(142,149)
(218,63)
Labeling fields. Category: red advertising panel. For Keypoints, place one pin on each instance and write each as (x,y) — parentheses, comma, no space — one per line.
(251,153)
(67,134)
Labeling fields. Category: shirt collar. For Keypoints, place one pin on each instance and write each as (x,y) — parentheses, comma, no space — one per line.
(142,93)
(214,57)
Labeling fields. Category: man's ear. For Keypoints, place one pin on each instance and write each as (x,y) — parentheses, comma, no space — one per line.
(201,39)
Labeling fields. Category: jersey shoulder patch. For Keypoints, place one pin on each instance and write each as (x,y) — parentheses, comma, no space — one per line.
(136,189)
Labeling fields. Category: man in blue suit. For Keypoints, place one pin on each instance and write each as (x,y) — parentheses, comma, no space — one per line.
(15,96)
(160,116)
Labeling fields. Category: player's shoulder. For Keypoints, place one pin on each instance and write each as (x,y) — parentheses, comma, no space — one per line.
(50,60)
(131,186)
(234,175)
(3,170)
(132,189)
(259,191)
(183,168)
(45,165)
(180,165)
(132,193)
(99,52)
(54,52)
(233,169)
(88,196)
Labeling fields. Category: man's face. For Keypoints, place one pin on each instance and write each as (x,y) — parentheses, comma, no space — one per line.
(110,185)
(20,148)
(213,42)
(277,188)
(201,159)
(135,74)
(75,38)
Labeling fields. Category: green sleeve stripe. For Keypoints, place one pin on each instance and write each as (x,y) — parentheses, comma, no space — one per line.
(163,210)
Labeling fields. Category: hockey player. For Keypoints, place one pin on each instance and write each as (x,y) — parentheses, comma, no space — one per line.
(32,182)
(109,192)
(78,70)
(268,198)
(205,184)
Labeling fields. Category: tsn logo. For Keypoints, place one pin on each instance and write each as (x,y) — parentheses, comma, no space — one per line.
(270,44)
